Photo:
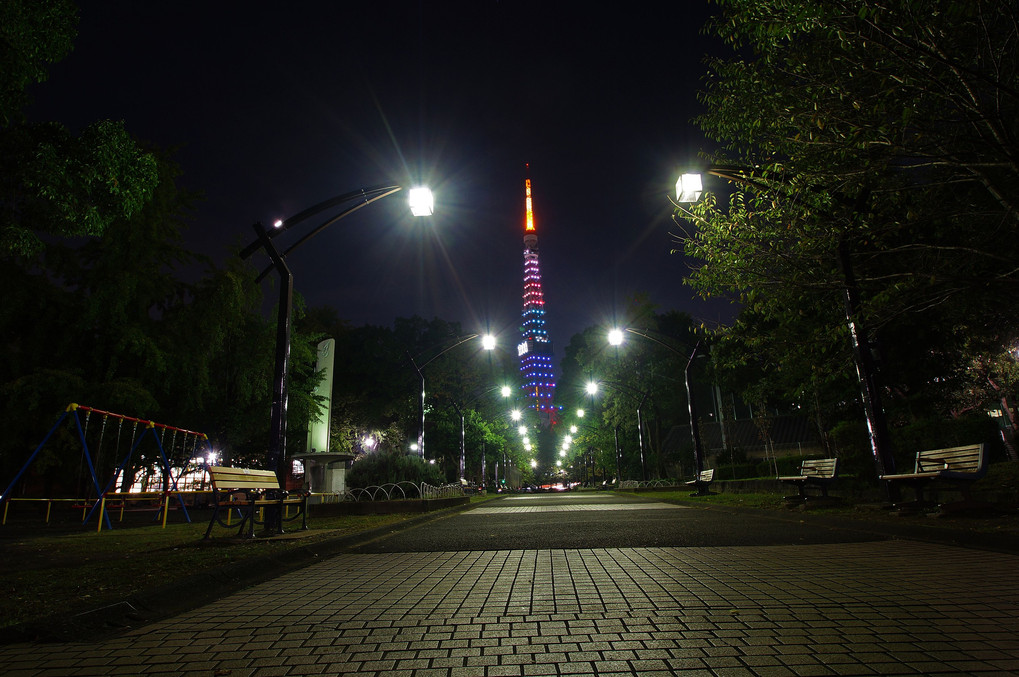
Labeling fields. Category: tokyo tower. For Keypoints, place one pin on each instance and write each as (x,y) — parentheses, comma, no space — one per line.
(535,350)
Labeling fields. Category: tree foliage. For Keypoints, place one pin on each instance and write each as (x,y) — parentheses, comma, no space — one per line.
(377,391)
(647,372)
(54,183)
(33,34)
(886,130)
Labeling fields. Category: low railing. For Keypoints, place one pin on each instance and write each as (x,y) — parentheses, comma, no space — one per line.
(117,503)
(648,484)
(385,492)
(445,491)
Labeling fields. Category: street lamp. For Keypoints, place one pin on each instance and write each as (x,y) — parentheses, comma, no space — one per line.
(487,343)
(592,388)
(421,204)
(688,190)
(616,338)
(461,409)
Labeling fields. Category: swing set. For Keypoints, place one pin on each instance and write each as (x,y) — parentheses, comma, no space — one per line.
(108,497)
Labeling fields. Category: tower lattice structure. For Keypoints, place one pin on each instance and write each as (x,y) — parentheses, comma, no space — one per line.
(535,350)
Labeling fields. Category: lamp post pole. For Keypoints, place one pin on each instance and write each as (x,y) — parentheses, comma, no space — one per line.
(421,408)
(615,432)
(487,343)
(281,363)
(421,203)
(592,388)
(616,338)
(640,437)
(695,431)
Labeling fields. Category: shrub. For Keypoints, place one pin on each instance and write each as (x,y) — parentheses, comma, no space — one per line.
(736,471)
(388,468)
(787,465)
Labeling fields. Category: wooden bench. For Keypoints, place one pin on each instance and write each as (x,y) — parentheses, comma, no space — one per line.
(958,466)
(250,492)
(817,472)
(702,481)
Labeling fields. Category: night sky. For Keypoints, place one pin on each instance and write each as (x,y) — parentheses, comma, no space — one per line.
(276,106)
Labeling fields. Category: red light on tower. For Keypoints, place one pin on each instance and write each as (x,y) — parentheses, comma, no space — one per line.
(536,349)
(529,226)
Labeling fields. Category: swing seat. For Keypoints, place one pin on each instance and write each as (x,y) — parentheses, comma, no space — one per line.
(253,493)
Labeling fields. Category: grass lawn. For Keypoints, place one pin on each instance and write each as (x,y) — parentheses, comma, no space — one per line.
(67,569)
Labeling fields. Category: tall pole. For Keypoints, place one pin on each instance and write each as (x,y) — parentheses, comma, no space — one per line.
(284,312)
(421,411)
(640,438)
(463,443)
(421,205)
(618,475)
(420,372)
(866,372)
(695,433)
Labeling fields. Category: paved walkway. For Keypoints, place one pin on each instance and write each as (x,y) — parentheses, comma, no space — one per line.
(883,607)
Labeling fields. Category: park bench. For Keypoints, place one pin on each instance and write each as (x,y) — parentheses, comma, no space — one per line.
(817,472)
(252,493)
(956,466)
(702,481)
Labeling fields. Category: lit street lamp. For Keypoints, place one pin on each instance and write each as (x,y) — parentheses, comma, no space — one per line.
(461,409)
(616,338)
(592,388)
(421,204)
(487,343)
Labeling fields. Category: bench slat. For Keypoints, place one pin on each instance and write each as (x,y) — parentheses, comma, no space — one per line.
(815,469)
(952,463)
(256,486)
(705,476)
(242,478)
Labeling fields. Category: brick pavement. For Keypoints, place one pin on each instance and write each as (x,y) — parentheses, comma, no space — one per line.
(835,609)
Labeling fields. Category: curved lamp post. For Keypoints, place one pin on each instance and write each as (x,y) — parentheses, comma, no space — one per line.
(421,204)
(487,343)
(616,338)
(689,189)
(592,388)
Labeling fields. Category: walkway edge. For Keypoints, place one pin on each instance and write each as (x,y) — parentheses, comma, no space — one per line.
(202,588)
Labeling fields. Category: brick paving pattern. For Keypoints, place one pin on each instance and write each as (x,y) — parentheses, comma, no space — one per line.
(876,608)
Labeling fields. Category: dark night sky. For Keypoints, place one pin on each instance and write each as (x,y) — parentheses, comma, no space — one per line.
(277,106)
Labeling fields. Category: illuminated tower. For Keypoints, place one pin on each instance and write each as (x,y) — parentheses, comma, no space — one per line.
(535,350)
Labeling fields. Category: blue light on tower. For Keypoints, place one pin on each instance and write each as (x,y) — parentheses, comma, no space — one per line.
(535,351)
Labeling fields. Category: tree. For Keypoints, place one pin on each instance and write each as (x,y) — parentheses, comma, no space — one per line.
(55,183)
(879,133)
(222,349)
(34,35)
(647,372)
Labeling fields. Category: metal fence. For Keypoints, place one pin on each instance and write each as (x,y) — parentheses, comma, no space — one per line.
(445,491)
(649,484)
